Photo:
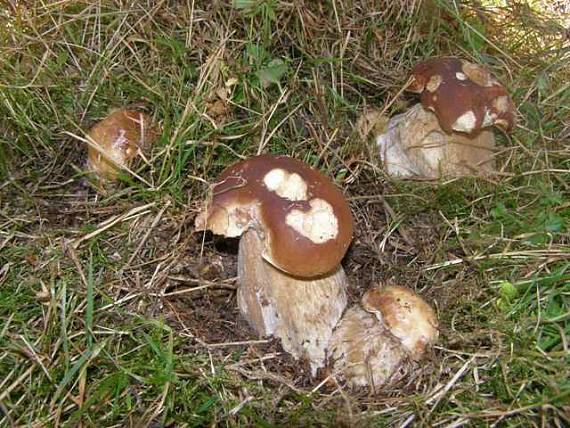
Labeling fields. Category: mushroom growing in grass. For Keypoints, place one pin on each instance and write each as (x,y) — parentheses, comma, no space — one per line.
(449,133)
(382,338)
(295,227)
(116,141)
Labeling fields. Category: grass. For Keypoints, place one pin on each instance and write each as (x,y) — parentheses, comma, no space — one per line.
(137,324)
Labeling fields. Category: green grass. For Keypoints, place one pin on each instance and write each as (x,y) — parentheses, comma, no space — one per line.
(90,334)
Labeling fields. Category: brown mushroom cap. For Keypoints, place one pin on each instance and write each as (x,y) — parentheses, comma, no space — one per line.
(406,315)
(118,138)
(464,96)
(305,219)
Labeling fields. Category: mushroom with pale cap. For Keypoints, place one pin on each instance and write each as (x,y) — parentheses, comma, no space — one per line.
(379,340)
(295,227)
(116,141)
(448,134)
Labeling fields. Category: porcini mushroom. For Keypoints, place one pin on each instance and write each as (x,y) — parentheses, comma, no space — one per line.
(295,227)
(116,141)
(448,134)
(382,338)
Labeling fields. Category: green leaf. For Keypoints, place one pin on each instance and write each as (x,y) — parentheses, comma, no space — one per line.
(90,305)
(508,291)
(551,222)
(82,362)
(244,4)
(474,35)
(499,211)
(256,54)
(543,84)
(272,73)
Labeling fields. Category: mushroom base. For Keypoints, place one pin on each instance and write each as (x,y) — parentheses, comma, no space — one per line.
(382,339)
(302,313)
(415,146)
(364,353)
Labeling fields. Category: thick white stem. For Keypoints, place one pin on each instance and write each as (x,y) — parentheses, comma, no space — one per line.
(415,146)
(302,313)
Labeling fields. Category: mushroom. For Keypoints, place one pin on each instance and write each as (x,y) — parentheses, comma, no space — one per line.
(295,227)
(381,339)
(448,134)
(116,141)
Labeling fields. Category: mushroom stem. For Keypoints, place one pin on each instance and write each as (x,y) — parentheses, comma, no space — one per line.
(415,146)
(300,312)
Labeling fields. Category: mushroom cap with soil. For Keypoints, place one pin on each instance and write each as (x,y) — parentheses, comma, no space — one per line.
(408,317)
(449,133)
(296,226)
(383,338)
(116,141)
(464,96)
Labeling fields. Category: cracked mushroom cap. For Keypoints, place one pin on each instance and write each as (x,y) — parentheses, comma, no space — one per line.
(464,96)
(119,137)
(303,217)
(406,315)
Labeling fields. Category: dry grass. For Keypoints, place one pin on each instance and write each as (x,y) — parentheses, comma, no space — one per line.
(114,312)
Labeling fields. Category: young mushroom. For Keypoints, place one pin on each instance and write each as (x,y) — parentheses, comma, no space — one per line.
(380,340)
(116,141)
(295,227)
(448,134)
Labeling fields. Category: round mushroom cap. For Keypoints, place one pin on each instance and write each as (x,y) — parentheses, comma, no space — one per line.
(464,96)
(406,315)
(118,138)
(303,217)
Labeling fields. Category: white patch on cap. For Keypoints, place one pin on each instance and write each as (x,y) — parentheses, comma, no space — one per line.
(287,185)
(319,224)
(118,148)
(489,118)
(461,76)
(465,123)
(121,140)
(434,83)
(501,103)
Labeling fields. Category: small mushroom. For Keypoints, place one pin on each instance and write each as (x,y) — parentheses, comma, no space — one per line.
(295,227)
(464,96)
(381,339)
(116,141)
(448,134)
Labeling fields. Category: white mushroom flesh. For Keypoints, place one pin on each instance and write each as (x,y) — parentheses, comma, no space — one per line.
(465,123)
(319,224)
(287,185)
